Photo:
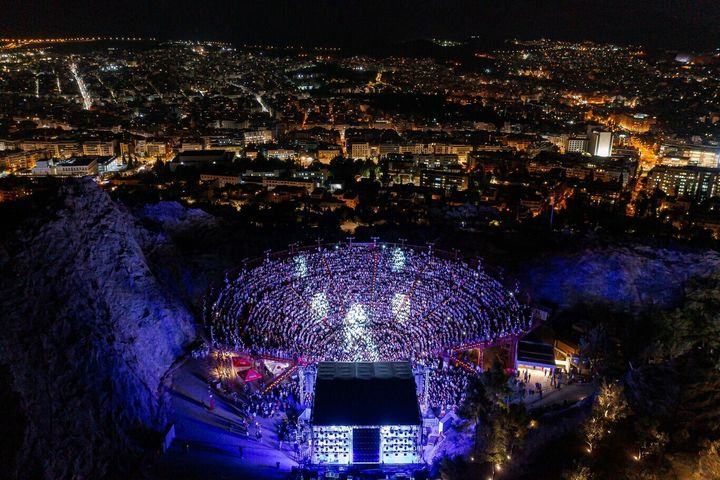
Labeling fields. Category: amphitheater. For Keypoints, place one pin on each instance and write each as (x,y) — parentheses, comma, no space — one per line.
(362,302)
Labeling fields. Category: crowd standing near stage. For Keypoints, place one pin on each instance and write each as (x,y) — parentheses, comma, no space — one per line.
(362,303)
(268,404)
(446,386)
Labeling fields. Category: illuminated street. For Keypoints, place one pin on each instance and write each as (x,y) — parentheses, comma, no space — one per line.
(86,99)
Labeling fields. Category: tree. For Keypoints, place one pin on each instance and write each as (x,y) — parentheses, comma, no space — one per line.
(497,383)
(501,424)
(595,347)
(496,451)
(609,407)
(681,394)
(696,324)
(580,472)
(651,440)
(709,463)
(476,406)
(507,429)
(516,423)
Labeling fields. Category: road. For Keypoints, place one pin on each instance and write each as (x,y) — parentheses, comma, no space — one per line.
(648,159)
(87,100)
(208,443)
(258,98)
(57,82)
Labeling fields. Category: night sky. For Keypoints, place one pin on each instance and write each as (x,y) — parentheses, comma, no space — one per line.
(686,24)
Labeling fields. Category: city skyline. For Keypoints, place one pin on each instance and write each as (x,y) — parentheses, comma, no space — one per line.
(682,25)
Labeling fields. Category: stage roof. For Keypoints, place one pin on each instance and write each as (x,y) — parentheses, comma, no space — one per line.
(381,393)
(536,353)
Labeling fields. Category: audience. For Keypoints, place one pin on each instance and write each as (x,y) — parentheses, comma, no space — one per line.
(362,303)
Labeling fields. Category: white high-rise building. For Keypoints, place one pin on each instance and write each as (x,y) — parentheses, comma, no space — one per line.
(601,143)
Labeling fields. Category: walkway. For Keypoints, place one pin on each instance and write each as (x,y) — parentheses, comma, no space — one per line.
(207,444)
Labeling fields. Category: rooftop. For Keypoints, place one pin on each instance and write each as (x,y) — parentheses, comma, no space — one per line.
(77,161)
(364,393)
(536,353)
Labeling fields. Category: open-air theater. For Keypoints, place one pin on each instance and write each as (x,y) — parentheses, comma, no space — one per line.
(278,320)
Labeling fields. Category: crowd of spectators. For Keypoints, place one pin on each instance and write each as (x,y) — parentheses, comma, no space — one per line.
(362,303)
(446,386)
(267,404)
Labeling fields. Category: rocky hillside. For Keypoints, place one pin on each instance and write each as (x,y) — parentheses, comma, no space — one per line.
(625,277)
(89,332)
(188,248)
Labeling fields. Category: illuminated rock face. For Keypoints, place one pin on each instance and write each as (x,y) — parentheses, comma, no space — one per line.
(621,277)
(89,334)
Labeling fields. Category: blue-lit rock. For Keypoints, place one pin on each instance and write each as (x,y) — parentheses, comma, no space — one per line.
(186,247)
(176,219)
(90,334)
(629,277)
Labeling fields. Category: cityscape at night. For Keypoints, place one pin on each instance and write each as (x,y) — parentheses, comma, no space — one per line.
(360,240)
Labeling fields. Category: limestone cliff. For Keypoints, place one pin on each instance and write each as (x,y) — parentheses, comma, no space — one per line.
(625,277)
(88,333)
